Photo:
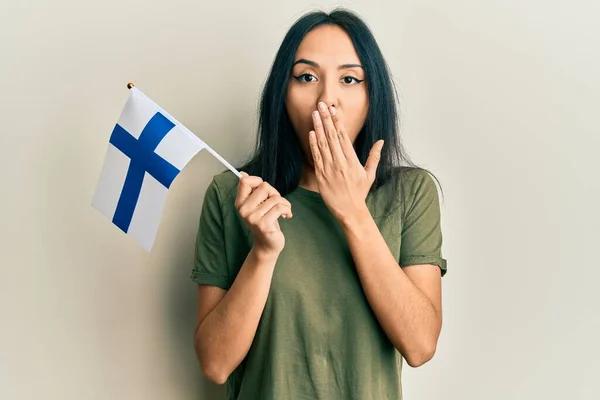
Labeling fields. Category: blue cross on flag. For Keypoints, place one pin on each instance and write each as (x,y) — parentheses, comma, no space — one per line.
(147,150)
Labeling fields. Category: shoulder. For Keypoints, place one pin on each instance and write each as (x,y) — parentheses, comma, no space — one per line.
(224,185)
(414,180)
(417,188)
(414,177)
(405,187)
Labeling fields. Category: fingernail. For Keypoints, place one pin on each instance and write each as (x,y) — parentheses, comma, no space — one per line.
(315,114)
(322,106)
(332,110)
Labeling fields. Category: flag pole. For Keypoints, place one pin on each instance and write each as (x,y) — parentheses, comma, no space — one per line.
(231,168)
(211,151)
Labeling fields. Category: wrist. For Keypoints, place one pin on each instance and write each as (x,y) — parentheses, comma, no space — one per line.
(264,255)
(357,219)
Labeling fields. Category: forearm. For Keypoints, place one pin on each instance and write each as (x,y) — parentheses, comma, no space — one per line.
(406,315)
(224,337)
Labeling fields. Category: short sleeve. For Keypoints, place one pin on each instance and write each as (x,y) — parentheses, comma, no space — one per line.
(210,258)
(421,241)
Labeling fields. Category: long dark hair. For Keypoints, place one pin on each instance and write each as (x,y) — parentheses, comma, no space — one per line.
(277,156)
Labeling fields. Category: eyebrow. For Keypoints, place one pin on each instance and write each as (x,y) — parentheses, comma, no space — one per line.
(314,64)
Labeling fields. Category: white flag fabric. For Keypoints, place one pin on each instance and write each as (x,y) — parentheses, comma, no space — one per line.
(147,150)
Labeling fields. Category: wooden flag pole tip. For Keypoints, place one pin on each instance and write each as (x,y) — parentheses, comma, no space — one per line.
(130,85)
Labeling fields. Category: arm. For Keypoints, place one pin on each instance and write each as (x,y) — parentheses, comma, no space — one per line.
(407,302)
(227,320)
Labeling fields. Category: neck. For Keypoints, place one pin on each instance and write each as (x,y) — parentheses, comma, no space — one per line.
(309,179)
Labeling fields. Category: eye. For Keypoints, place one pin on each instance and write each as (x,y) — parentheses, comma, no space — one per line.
(347,79)
(299,78)
(351,78)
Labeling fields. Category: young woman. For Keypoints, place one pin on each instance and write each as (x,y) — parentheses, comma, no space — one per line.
(326,302)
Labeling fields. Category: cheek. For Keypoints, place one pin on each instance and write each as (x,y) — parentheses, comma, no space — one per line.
(356,114)
(299,107)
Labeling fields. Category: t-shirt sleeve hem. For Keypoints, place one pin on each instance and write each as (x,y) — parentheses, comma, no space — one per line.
(416,260)
(211,279)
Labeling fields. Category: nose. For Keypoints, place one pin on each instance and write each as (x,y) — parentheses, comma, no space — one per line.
(328,94)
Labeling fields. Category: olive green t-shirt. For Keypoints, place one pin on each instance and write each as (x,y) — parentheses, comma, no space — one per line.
(318,337)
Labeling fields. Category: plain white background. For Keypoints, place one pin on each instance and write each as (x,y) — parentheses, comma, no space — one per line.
(498,98)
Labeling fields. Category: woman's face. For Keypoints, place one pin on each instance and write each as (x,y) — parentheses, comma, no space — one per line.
(326,68)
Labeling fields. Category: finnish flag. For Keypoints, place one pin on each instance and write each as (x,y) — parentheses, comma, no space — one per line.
(147,150)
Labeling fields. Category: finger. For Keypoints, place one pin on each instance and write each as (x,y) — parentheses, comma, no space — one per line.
(373,160)
(251,180)
(335,148)
(260,194)
(316,153)
(344,139)
(246,184)
(322,142)
(274,213)
(265,206)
